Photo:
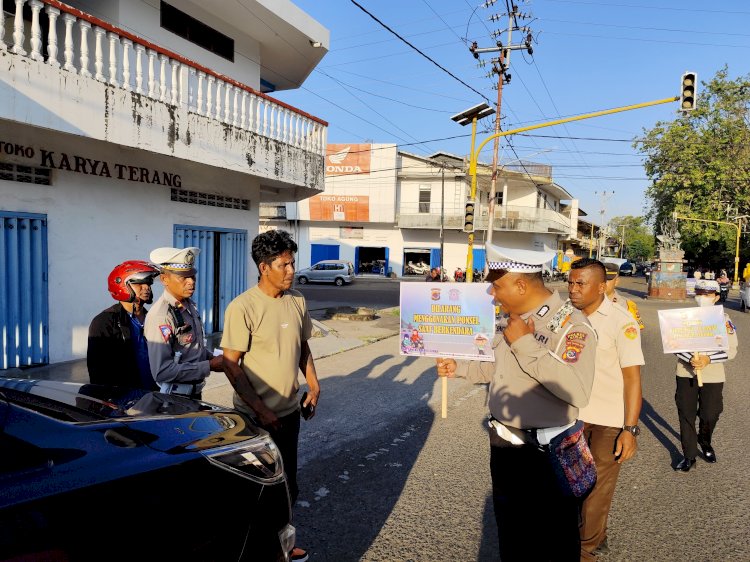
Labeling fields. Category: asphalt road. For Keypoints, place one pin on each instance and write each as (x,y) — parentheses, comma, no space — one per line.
(384,478)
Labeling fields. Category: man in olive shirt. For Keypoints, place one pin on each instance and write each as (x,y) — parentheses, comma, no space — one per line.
(542,374)
(611,416)
(266,329)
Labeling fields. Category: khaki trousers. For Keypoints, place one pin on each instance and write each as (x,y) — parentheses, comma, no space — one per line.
(595,510)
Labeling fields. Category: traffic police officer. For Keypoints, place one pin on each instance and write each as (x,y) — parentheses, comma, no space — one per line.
(180,362)
(542,374)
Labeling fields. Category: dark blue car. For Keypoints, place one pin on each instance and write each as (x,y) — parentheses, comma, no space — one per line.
(627,268)
(95,473)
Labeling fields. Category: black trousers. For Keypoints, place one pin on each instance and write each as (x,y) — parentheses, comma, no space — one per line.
(286,440)
(705,402)
(535,521)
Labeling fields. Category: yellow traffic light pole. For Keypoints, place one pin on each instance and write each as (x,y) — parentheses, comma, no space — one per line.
(469,275)
(474,155)
(736,282)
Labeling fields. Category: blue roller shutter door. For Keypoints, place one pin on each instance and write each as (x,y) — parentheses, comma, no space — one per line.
(217,282)
(479,259)
(23,290)
(434,257)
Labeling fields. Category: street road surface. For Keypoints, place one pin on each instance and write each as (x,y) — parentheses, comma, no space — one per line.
(384,478)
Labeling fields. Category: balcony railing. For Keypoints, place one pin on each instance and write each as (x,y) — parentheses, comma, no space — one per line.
(126,61)
(510,217)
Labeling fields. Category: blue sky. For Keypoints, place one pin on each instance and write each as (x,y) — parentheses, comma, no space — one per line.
(588,55)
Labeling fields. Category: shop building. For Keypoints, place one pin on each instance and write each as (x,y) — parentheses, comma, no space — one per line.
(386,210)
(128,125)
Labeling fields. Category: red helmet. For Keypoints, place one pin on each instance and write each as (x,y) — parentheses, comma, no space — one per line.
(134,271)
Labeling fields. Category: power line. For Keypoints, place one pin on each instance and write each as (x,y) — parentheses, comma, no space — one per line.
(420,52)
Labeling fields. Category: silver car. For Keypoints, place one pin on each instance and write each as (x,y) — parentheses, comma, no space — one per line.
(326,271)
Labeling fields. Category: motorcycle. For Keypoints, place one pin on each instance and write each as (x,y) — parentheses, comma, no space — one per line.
(723,292)
(420,268)
(458,275)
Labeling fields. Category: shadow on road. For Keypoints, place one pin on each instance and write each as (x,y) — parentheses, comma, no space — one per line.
(655,423)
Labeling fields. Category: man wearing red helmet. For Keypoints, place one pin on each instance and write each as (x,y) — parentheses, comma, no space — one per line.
(117,354)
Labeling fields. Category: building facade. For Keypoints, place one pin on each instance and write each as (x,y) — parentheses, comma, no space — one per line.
(128,125)
(387,210)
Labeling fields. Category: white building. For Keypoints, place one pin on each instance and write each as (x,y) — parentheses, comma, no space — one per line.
(385,205)
(132,124)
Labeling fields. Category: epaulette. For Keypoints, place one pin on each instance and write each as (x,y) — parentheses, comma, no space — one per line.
(561,316)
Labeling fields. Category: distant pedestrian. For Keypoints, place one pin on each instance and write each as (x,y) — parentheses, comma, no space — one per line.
(434,275)
(117,354)
(706,402)
(265,343)
(180,361)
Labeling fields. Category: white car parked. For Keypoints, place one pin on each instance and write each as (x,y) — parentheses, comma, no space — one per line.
(745,297)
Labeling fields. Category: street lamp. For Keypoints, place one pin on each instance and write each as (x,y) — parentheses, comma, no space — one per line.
(472,115)
(622,240)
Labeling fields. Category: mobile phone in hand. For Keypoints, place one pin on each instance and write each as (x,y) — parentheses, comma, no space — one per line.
(306,411)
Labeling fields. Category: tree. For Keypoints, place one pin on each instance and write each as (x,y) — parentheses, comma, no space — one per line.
(639,239)
(699,167)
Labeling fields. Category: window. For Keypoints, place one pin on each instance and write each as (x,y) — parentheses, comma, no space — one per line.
(196,32)
(425,194)
(24,174)
(499,198)
(209,199)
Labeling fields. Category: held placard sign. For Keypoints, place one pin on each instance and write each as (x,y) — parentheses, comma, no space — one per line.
(447,320)
(701,328)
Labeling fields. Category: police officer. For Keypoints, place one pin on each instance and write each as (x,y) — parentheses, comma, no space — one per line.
(542,374)
(613,278)
(180,362)
(611,416)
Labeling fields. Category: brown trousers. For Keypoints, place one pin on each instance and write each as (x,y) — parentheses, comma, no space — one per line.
(595,510)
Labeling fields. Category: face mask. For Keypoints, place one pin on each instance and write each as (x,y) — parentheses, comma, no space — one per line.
(704,300)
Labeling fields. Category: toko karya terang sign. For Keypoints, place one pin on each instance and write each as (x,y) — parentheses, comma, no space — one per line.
(447,320)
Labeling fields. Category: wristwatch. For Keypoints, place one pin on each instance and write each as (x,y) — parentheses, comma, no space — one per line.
(632,429)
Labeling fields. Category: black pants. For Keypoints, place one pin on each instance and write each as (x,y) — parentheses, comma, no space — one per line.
(286,440)
(534,520)
(707,403)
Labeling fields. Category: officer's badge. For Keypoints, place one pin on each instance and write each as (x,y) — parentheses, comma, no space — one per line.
(574,344)
(190,258)
(630,332)
(561,317)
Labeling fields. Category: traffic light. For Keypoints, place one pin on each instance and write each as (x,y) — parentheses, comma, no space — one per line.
(469,216)
(688,91)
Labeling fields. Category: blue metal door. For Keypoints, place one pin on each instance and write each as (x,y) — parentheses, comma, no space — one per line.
(435,257)
(385,265)
(24,312)
(232,269)
(222,269)
(479,259)
(356,260)
(320,252)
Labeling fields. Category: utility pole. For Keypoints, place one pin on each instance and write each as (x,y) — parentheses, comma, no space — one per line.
(442,218)
(500,67)
(604,196)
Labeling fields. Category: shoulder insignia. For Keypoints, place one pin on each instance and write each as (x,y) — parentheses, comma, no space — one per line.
(542,311)
(633,309)
(561,317)
(730,327)
(574,344)
(166,332)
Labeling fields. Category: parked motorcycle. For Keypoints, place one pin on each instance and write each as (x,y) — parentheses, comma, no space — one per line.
(420,268)
(458,275)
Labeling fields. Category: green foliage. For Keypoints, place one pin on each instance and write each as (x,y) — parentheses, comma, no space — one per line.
(639,239)
(699,167)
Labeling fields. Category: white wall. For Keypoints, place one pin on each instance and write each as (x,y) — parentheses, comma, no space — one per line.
(95,223)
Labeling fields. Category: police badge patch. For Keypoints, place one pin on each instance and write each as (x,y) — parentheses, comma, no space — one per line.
(574,344)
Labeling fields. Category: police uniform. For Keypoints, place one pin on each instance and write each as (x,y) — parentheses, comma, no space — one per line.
(618,347)
(176,346)
(537,384)
(705,402)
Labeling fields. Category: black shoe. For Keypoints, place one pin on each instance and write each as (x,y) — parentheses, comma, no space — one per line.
(684,465)
(708,453)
